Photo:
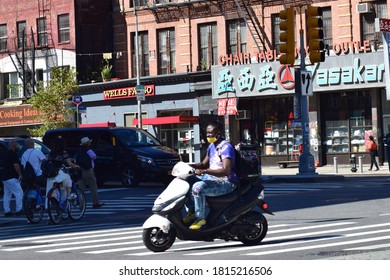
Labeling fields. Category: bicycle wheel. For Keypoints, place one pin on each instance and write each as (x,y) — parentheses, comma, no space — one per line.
(77,206)
(33,208)
(53,206)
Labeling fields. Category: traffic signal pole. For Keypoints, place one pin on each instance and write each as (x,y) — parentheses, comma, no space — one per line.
(306,159)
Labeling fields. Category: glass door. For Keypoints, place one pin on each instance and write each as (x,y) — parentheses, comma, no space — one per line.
(185,140)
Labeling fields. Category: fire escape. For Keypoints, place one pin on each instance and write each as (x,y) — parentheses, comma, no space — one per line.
(24,47)
(251,11)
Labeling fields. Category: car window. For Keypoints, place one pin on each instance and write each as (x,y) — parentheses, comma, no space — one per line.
(136,138)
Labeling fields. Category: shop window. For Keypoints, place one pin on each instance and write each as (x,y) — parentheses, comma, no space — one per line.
(282,132)
(348,124)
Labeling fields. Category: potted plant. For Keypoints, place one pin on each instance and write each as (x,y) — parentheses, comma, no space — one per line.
(106,72)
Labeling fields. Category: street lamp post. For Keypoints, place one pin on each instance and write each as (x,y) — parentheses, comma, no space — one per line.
(139,105)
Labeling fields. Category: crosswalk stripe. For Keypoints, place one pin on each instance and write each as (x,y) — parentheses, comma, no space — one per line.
(372,247)
(287,237)
(90,246)
(321,246)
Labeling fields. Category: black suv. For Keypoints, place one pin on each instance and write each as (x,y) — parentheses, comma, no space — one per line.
(4,142)
(130,155)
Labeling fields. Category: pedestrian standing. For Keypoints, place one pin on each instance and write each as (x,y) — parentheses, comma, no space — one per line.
(11,181)
(373,149)
(387,145)
(86,160)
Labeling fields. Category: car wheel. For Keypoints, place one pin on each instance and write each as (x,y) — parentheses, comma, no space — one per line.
(130,177)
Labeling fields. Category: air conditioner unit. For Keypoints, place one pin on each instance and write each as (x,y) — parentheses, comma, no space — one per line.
(364,8)
(243,114)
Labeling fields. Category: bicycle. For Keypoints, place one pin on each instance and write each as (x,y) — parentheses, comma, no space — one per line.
(58,204)
(34,203)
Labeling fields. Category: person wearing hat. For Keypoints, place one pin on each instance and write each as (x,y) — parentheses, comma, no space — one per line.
(86,160)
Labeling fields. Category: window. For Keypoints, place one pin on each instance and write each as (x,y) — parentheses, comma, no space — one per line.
(236,34)
(327,26)
(166,51)
(143,54)
(208,49)
(63,28)
(41,32)
(368,22)
(3,37)
(21,26)
(276,32)
(138,3)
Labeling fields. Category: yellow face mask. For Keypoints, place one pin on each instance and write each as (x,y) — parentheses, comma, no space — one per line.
(212,140)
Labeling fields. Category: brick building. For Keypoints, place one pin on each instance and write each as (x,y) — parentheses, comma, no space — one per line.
(38,35)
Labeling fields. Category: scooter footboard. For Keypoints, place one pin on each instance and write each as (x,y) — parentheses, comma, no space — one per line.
(157,221)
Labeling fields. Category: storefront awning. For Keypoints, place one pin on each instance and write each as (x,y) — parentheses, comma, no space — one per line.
(167,120)
(102,124)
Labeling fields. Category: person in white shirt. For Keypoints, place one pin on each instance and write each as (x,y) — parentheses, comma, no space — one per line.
(35,157)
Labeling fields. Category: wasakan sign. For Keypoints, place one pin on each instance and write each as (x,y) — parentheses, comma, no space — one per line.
(18,115)
(129,92)
(355,71)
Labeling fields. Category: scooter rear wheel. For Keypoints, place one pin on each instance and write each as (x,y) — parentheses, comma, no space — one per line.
(261,224)
(158,241)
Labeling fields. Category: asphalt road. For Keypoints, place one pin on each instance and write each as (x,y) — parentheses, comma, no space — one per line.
(347,219)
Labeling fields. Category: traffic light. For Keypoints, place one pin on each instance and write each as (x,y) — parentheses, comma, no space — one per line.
(287,36)
(315,34)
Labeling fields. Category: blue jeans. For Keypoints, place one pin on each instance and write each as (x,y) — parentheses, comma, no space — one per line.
(201,187)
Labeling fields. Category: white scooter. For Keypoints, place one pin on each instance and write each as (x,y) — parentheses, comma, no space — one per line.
(234,216)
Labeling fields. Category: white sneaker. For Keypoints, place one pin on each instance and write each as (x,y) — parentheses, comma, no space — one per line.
(72,196)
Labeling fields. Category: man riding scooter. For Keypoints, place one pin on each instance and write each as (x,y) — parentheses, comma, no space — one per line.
(216,175)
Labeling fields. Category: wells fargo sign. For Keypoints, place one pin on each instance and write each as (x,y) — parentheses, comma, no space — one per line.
(18,115)
(128,92)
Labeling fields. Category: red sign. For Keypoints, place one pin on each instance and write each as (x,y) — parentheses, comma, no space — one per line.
(384,25)
(128,92)
(227,106)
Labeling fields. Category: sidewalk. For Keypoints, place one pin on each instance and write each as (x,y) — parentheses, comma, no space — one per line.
(323,173)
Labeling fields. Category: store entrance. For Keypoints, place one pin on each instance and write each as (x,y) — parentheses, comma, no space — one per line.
(181,140)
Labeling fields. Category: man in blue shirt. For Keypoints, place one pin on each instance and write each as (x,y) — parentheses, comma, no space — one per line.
(216,175)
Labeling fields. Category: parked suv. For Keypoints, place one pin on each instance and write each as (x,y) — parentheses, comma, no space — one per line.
(130,155)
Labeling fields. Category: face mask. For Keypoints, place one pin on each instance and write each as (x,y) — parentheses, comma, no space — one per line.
(212,140)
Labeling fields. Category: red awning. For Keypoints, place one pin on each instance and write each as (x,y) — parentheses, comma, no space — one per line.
(167,120)
(102,124)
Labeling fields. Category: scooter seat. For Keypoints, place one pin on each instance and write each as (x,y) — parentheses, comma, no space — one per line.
(230,197)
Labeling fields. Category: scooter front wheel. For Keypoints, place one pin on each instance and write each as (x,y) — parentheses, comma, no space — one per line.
(158,241)
(256,236)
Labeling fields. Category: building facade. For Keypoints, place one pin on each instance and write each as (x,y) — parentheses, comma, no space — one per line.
(253,94)
(201,60)
(38,35)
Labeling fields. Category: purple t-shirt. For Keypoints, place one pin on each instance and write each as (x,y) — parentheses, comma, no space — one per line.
(217,154)
(92,155)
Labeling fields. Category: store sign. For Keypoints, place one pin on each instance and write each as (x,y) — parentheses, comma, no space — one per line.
(356,71)
(18,115)
(227,106)
(129,92)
